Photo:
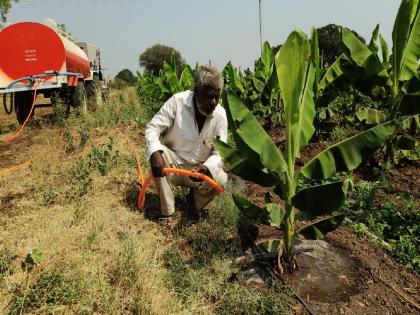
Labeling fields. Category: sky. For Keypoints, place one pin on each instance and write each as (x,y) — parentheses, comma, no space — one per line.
(218,30)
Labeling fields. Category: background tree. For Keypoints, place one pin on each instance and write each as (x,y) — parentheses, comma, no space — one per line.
(5,6)
(152,58)
(127,76)
(330,44)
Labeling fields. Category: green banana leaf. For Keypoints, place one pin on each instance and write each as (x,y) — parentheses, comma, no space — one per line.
(296,85)
(234,78)
(412,85)
(251,139)
(315,59)
(250,210)
(384,49)
(364,57)
(271,246)
(406,143)
(372,45)
(276,214)
(410,104)
(321,199)
(406,39)
(242,167)
(348,154)
(267,59)
(412,122)
(318,229)
(187,78)
(371,116)
(333,73)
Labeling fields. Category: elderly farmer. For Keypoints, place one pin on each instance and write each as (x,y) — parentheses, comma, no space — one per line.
(190,121)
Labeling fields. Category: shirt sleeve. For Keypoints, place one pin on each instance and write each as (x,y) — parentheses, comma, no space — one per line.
(214,162)
(162,120)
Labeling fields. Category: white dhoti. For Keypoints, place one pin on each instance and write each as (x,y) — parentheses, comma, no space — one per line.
(203,191)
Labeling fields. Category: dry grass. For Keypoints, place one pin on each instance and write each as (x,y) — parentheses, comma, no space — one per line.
(100,255)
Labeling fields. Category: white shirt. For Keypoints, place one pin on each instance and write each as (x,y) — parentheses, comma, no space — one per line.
(177,117)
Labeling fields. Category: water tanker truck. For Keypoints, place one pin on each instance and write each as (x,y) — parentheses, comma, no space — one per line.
(38,57)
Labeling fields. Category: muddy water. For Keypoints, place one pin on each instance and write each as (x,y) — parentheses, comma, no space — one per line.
(325,273)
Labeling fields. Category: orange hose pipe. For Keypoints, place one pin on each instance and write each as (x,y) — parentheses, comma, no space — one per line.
(140,202)
(15,168)
(17,135)
(21,165)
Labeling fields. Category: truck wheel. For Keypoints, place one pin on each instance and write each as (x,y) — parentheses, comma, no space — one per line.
(79,97)
(23,105)
(94,94)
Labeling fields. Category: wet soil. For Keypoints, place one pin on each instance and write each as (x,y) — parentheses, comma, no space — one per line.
(326,273)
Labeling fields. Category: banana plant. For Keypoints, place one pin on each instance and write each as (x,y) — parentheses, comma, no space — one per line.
(255,157)
(398,74)
(258,88)
(156,89)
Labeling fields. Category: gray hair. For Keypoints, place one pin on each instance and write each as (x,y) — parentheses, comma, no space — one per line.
(208,76)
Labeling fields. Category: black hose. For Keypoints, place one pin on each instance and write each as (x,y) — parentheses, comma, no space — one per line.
(273,272)
(12,100)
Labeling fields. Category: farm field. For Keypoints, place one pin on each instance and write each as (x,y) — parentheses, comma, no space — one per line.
(320,141)
(76,204)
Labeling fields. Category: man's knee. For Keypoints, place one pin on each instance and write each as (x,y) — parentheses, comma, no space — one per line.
(221,178)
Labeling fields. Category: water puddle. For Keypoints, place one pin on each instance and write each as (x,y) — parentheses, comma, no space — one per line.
(325,273)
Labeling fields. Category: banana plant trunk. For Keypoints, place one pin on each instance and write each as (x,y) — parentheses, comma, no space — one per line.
(288,227)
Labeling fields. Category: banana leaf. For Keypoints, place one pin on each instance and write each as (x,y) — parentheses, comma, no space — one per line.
(410,104)
(364,58)
(321,199)
(187,78)
(315,59)
(318,229)
(271,246)
(333,72)
(371,116)
(250,138)
(296,85)
(250,210)
(276,214)
(406,143)
(267,59)
(384,49)
(406,39)
(348,154)
(411,123)
(372,45)
(242,167)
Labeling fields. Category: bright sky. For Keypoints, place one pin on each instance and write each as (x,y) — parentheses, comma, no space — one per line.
(216,30)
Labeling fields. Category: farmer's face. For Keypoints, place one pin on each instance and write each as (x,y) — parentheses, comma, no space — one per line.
(207,99)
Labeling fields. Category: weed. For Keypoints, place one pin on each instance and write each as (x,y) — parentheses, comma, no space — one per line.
(6,258)
(75,139)
(61,111)
(50,288)
(395,221)
(101,158)
(338,134)
(125,272)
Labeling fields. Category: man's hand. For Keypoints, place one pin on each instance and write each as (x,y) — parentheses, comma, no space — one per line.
(200,169)
(157,164)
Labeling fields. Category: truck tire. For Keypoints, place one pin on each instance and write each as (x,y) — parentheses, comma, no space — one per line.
(80,97)
(94,94)
(23,105)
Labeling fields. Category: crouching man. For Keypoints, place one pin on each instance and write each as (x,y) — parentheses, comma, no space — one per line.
(188,121)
